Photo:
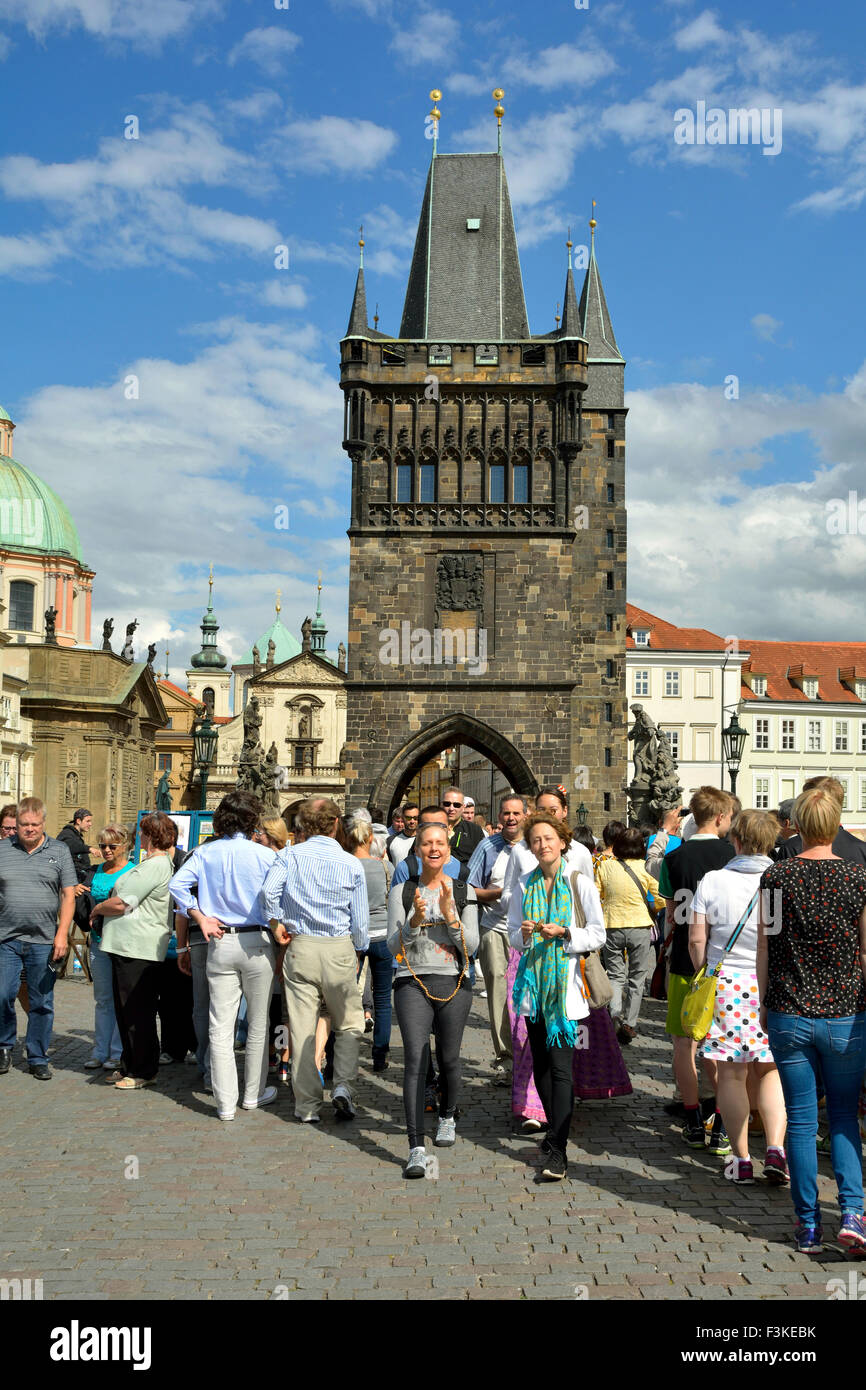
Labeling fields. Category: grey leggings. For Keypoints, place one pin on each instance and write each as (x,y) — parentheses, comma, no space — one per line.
(418,1016)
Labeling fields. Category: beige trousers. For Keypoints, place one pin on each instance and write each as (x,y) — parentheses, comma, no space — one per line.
(493,956)
(320,970)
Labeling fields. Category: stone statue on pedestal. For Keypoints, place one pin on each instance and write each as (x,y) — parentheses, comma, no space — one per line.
(272,651)
(128,653)
(306,634)
(107,629)
(151,653)
(273,776)
(163,794)
(50,619)
(257,661)
(341,657)
(251,763)
(655,786)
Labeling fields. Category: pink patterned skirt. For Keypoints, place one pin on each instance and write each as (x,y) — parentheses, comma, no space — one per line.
(599,1070)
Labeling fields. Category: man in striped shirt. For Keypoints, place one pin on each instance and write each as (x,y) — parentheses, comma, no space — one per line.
(315,900)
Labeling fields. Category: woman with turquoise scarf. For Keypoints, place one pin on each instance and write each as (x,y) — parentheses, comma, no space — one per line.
(552,931)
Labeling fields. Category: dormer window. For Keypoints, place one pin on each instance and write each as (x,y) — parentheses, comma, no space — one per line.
(810,688)
(860,689)
(641,636)
(759,685)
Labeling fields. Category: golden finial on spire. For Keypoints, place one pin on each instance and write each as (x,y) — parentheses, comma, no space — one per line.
(435,114)
(569,244)
(361,243)
(166,663)
(557,315)
(376,317)
(279,596)
(320,581)
(499,112)
(592,222)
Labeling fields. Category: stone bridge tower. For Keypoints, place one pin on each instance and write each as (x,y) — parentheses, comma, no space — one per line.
(488,525)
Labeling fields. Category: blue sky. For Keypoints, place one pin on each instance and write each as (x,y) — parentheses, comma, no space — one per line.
(259,126)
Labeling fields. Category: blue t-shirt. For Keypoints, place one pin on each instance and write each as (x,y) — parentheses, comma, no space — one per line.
(102,887)
(674,842)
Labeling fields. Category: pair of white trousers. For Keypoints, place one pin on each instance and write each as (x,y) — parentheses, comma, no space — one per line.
(238,964)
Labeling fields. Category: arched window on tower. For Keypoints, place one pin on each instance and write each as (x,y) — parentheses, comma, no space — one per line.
(208,697)
(497,482)
(404,482)
(520,483)
(428,482)
(21,604)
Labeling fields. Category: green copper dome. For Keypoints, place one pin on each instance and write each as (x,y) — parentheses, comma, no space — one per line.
(285,645)
(33,517)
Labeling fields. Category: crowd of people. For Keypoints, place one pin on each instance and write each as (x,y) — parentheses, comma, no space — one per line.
(256,941)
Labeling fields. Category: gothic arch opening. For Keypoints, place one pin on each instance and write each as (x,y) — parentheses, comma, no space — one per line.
(461,728)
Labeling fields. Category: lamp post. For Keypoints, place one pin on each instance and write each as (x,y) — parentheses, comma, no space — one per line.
(581,813)
(733,744)
(204,740)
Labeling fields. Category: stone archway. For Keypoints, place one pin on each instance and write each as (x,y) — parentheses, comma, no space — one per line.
(444,733)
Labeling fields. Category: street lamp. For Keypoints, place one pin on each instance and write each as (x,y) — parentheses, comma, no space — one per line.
(733,745)
(204,739)
(581,814)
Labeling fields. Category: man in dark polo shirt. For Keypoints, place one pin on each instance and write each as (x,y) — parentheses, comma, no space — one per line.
(846,845)
(37,898)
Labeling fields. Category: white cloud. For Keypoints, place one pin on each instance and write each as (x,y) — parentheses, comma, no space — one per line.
(256,107)
(563,66)
(267,47)
(783,576)
(766,326)
(250,421)
(147,23)
(432,37)
(701,32)
(5,45)
(20,255)
(334,143)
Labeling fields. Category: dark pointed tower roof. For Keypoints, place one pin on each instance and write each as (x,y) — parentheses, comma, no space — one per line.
(594,314)
(572,320)
(465,282)
(209,657)
(358,318)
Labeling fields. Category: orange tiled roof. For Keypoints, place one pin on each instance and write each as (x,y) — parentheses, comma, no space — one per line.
(667,637)
(828,661)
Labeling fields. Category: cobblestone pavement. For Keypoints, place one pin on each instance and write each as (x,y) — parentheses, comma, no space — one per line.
(266,1207)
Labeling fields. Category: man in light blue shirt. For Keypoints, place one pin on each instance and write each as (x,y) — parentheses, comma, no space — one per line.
(321,915)
(410,865)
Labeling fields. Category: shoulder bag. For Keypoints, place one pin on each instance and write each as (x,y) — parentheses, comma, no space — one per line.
(699,1004)
(597,986)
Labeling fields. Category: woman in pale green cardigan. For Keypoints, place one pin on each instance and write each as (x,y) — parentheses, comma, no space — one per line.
(135,934)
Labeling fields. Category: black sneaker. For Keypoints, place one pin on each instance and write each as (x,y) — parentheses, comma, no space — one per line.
(555,1166)
(694,1133)
(718,1142)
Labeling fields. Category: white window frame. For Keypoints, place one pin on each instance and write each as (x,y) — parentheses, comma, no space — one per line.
(672,677)
(810,687)
(815,727)
(762,747)
(846,788)
(837,725)
(704,671)
(642,682)
(863,793)
(759,685)
(762,782)
(641,637)
(783,747)
(863,736)
(674,741)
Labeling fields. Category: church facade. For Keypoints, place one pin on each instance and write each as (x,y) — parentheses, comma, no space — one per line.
(488,524)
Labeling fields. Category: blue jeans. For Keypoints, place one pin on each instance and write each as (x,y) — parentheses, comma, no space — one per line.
(382,973)
(809,1051)
(106,1034)
(40,986)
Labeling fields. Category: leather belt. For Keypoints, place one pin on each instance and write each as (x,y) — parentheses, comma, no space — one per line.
(236,931)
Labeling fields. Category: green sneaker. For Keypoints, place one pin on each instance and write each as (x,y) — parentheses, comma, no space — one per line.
(718,1142)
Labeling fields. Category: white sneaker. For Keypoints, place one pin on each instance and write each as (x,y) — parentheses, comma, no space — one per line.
(343,1106)
(113,1064)
(267,1097)
(228,1117)
(417,1164)
(446,1132)
(93,1064)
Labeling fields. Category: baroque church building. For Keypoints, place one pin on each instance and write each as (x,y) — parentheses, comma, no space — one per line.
(488,523)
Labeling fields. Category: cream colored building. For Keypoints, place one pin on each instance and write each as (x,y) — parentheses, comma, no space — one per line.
(16,732)
(804,705)
(689,682)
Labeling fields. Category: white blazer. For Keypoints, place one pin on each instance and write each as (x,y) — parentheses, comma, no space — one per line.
(581,939)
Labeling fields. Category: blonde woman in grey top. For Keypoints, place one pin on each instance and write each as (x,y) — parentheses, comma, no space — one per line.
(431,942)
